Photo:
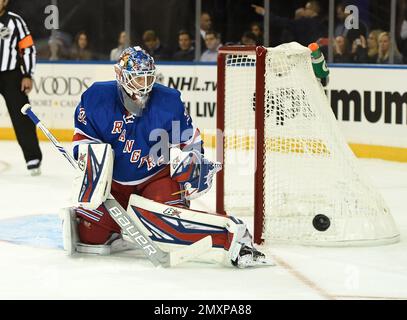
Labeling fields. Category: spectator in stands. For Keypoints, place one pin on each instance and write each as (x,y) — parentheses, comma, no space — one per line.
(350,34)
(341,52)
(186,50)
(257,29)
(359,50)
(153,46)
(122,44)
(385,46)
(373,46)
(307,27)
(80,50)
(287,34)
(366,51)
(213,43)
(58,45)
(248,39)
(205,26)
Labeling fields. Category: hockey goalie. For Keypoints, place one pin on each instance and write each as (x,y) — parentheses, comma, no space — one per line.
(134,139)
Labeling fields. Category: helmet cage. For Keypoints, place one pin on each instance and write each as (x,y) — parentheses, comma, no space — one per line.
(133,82)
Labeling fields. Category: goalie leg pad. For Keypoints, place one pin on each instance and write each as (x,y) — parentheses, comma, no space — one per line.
(171,227)
(72,237)
(97,225)
(70,231)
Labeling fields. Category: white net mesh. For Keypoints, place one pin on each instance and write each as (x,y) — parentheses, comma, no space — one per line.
(308,168)
(239,132)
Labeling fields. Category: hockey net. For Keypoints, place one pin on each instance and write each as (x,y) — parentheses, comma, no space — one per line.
(285,159)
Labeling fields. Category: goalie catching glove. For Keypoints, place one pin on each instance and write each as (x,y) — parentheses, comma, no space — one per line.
(193,172)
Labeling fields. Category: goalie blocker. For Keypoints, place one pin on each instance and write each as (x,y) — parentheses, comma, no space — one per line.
(88,228)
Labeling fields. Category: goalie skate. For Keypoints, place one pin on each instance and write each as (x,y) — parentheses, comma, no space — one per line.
(251,257)
(242,253)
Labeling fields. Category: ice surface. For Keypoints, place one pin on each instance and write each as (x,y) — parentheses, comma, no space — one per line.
(34,266)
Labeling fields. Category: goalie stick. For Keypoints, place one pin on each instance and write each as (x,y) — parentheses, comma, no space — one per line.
(124,220)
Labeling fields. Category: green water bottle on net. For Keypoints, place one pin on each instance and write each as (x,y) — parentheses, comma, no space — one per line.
(319,65)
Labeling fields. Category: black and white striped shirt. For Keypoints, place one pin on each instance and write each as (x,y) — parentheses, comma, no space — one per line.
(17,48)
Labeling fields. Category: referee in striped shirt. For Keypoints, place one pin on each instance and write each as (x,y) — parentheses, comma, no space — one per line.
(17,62)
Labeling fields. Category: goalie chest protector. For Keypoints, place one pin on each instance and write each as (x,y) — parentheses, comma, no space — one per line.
(101,118)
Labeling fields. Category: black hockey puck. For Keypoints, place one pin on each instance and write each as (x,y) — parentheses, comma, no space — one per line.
(321,222)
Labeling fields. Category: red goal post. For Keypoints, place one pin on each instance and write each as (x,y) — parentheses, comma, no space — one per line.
(260,53)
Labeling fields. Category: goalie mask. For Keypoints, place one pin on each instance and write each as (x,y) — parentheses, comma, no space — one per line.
(135,75)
